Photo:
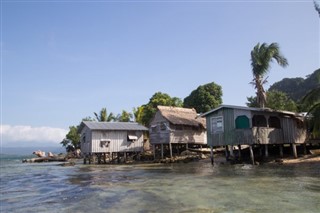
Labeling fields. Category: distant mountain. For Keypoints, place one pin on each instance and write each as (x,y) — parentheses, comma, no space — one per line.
(297,88)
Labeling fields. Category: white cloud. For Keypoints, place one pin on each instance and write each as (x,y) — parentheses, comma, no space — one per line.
(27,135)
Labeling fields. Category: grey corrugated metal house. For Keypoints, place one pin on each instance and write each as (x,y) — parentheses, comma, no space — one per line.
(105,138)
(179,126)
(235,125)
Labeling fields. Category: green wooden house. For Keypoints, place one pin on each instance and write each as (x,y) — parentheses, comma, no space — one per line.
(236,125)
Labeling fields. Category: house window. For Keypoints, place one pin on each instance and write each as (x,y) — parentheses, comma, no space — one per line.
(242,122)
(132,138)
(163,126)
(104,143)
(259,121)
(216,124)
(154,128)
(274,122)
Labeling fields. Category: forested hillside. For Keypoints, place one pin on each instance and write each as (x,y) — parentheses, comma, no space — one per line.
(297,88)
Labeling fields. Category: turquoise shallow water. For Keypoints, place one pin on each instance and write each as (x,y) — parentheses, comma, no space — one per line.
(192,187)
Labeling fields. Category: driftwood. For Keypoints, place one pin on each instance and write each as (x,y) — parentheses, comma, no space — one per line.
(44,159)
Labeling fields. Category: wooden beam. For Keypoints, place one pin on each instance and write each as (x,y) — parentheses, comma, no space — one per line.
(211,155)
(281,150)
(251,154)
(294,150)
(170,147)
(266,151)
(162,151)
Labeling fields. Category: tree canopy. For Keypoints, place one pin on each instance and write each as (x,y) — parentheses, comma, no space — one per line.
(276,100)
(204,98)
(145,113)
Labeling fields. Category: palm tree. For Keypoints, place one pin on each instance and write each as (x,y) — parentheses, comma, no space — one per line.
(103,116)
(261,56)
(312,99)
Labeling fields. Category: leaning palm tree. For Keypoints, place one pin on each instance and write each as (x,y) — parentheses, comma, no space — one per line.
(312,99)
(261,56)
(103,116)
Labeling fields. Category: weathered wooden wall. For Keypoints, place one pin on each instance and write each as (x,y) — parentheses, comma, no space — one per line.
(289,132)
(118,141)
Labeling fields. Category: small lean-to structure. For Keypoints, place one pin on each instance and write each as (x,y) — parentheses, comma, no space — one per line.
(112,140)
(235,126)
(176,126)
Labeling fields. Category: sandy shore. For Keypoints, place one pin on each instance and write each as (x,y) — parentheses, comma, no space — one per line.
(304,159)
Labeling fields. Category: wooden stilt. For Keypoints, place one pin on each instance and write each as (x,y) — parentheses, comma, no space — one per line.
(294,150)
(154,151)
(266,150)
(85,160)
(281,150)
(170,148)
(239,151)
(125,157)
(304,148)
(211,155)
(118,157)
(187,146)
(231,151)
(260,150)
(251,154)
(162,151)
(227,153)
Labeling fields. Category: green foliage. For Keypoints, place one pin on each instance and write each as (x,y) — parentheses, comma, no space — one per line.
(145,113)
(204,98)
(316,7)
(124,117)
(280,101)
(72,139)
(297,88)
(275,100)
(104,117)
(252,102)
(261,57)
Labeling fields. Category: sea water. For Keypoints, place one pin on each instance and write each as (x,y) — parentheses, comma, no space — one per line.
(180,187)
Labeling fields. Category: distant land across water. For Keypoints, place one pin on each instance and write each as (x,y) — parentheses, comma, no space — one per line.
(30,150)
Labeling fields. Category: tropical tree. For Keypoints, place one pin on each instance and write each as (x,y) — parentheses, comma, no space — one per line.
(311,103)
(276,100)
(103,116)
(72,140)
(261,56)
(145,113)
(124,116)
(317,7)
(204,98)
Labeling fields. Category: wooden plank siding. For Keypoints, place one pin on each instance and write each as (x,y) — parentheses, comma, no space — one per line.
(290,131)
(118,142)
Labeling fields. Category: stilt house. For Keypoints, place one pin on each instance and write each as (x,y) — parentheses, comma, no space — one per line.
(178,126)
(235,125)
(98,138)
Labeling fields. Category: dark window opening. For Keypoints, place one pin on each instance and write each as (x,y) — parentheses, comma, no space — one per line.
(274,122)
(132,137)
(259,121)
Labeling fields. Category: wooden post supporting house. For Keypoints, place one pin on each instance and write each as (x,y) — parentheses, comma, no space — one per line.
(170,147)
(294,150)
(281,150)
(239,151)
(154,151)
(251,154)
(266,151)
(304,148)
(227,153)
(162,151)
(211,155)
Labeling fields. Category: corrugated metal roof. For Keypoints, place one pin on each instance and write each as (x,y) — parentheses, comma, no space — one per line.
(113,126)
(251,109)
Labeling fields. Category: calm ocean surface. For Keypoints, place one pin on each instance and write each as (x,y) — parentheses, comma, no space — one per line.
(192,187)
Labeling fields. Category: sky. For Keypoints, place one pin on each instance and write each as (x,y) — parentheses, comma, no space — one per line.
(63,60)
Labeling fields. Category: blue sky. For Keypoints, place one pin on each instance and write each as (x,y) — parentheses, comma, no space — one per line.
(64,60)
